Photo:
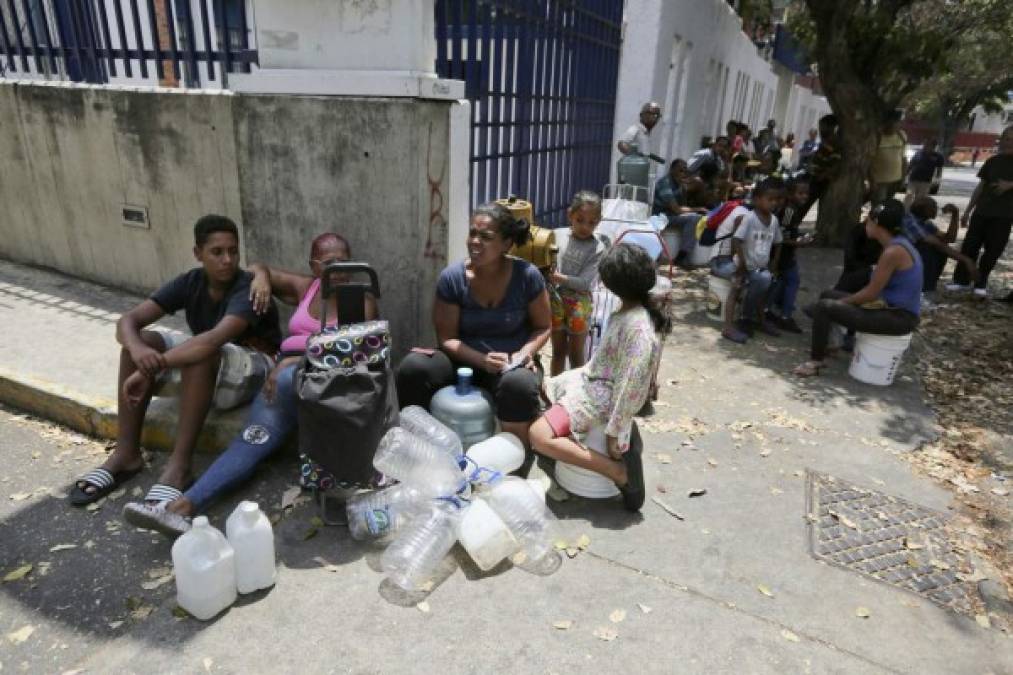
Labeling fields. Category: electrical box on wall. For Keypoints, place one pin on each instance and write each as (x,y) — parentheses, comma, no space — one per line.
(135,216)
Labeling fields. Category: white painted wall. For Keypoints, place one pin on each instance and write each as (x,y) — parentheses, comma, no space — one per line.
(693,58)
(992,123)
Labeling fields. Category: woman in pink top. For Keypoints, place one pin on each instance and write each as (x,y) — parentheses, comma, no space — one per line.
(273,414)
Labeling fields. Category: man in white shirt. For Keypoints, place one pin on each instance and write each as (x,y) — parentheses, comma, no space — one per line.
(640,133)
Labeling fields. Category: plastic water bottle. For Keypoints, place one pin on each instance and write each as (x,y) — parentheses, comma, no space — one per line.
(418,421)
(532,524)
(418,463)
(503,452)
(409,561)
(205,567)
(484,535)
(249,532)
(465,408)
(380,513)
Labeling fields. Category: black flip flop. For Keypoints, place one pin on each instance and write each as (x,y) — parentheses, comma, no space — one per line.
(103,480)
(634,493)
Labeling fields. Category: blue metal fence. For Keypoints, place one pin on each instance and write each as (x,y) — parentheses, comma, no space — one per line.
(95,40)
(541,76)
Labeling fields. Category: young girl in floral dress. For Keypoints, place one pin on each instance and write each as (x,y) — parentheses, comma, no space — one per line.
(610,389)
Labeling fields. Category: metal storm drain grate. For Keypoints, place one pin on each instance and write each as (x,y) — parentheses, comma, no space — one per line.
(889,539)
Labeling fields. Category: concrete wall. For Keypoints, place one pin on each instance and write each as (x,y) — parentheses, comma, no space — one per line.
(285,167)
(693,58)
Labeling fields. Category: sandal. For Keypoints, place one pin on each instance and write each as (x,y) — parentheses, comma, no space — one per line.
(103,480)
(152,514)
(808,369)
(156,518)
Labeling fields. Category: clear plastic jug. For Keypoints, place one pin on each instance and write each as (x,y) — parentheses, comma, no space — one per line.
(417,462)
(417,420)
(530,521)
(381,513)
(465,408)
(413,556)
(249,531)
(205,567)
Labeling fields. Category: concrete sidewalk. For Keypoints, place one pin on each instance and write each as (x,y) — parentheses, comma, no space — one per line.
(60,357)
(737,585)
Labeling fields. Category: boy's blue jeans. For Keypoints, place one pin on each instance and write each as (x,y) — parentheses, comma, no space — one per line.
(785,291)
(756,293)
(266,427)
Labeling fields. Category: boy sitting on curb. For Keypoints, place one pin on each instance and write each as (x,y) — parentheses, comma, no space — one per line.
(225,362)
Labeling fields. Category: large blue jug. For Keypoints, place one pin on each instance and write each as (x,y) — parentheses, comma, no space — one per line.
(465,408)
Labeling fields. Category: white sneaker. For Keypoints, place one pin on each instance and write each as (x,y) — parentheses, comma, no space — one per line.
(957,288)
(981,293)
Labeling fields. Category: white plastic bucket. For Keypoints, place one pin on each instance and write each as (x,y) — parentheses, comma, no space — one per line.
(701,256)
(718,290)
(582,482)
(503,452)
(877,357)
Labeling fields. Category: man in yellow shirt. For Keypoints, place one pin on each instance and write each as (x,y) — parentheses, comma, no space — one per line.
(889,164)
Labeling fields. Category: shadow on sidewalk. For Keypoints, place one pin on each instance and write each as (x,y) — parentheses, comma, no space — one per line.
(903,415)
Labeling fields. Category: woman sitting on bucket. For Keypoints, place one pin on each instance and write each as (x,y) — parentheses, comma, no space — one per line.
(888,305)
(614,384)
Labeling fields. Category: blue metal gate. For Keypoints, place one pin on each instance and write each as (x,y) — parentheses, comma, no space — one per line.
(541,76)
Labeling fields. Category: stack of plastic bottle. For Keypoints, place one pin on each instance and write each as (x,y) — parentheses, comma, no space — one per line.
(444,496)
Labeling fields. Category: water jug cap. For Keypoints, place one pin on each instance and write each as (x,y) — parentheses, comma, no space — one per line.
(465,372)
(248,507)
(201,521)
(464,376)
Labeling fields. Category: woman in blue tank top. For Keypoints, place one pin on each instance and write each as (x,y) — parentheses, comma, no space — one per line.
(888,305)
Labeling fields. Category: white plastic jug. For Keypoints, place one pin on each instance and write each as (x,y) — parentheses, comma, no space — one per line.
(503,452)
(484,535)
(249,531)
(205,567)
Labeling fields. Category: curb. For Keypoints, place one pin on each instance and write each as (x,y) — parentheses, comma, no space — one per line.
(96,417)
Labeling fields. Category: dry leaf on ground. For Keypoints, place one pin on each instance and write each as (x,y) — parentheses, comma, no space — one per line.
(789,636)
(606,633)
(983,620)
(62,547)
(766,591)
(20,635)
(697,492)
(863,613)
(583,542)
(664,458)
(617,616)
(644,608)
(564,624)
(19,573)
(423,607)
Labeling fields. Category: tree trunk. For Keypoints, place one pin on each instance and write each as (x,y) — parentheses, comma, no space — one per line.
(840,207)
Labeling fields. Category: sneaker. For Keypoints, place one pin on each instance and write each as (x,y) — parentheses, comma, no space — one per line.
(789,324)
(735,335)
(768,328)
(981,293)
(957,288)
